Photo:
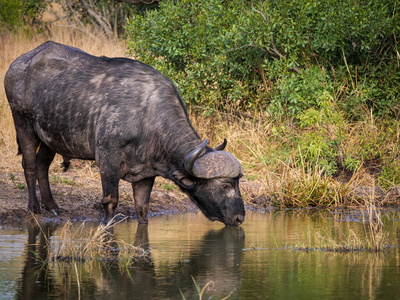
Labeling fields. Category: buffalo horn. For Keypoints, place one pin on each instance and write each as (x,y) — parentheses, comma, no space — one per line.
(192,156)
(222,146)
(217,164)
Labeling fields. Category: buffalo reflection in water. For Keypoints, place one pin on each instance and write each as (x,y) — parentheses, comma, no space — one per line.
(143,280)
(35,283)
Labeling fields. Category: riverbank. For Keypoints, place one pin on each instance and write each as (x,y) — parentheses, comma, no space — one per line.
(78,193)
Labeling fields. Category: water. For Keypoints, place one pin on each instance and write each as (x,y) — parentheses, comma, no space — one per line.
(187,252)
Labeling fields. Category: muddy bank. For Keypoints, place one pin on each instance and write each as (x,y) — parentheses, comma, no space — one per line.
(79,198)
(82,203)
(78,194)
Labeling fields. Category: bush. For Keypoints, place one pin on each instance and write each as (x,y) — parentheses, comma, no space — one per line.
(293,93)
(201,46)
(320,142)
(254,54)
(105,17)
(10,12)
(15,14)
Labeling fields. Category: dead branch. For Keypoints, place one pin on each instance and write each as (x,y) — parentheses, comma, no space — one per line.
(102,22)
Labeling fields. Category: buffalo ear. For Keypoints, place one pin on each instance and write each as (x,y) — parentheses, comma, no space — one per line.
(183,177)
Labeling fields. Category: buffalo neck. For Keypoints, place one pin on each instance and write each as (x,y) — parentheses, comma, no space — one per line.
(174,150)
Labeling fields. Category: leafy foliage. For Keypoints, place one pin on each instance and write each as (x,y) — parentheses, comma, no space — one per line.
(10,12)
(293,93)
(200,46)
(264,54)
(17,13)
(104,17)
(320,144)
(321,63)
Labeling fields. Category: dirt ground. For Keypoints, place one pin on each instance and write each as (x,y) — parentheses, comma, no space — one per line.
(78,193)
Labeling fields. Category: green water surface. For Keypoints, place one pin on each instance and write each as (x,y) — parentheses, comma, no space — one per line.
(258,260)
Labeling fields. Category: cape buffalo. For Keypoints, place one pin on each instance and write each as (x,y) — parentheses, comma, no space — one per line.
(127,117)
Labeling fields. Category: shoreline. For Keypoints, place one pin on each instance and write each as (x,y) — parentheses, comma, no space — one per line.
(78,194)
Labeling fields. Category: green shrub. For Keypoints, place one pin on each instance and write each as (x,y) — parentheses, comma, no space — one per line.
(200,46)
(15,14)
(293,93)
(319,145)
(275,54)
(10,13)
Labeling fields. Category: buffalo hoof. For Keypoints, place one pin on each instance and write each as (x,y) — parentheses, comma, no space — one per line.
(36,211)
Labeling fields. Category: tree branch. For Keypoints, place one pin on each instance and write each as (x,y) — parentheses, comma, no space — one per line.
(272,48)
(103,23)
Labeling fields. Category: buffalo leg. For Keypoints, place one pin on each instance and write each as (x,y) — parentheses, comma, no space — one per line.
(28,143)
(109,181)
(43,160)
(141,194)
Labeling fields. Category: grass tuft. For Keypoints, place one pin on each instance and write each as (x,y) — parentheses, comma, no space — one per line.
(97,245)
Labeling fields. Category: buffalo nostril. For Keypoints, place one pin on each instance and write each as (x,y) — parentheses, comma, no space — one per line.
(239,219)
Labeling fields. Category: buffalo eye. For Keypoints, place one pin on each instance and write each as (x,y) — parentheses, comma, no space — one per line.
(225,186)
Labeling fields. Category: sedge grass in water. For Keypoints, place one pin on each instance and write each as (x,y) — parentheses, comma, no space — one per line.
(202,291)
(370,238)
(97,244)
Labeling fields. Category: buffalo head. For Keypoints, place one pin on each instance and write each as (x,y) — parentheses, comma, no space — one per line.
(211,179)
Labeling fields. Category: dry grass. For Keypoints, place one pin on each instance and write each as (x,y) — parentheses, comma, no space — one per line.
(13,45)
(209,286)
(350,237)
(268,151)
(372,238)
(376,237)
(99,244)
